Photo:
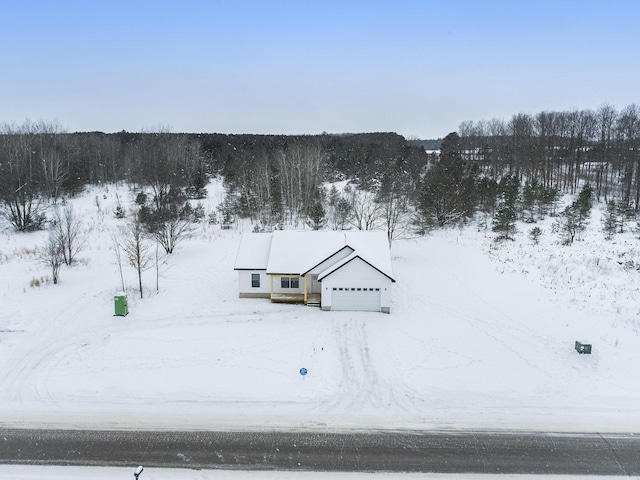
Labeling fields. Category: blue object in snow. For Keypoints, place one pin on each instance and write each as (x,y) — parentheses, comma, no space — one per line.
(303,371)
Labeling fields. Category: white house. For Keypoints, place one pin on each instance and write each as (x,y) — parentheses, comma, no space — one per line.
(337,270)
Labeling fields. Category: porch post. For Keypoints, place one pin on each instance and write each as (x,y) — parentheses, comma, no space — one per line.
(305,289)
(271,286)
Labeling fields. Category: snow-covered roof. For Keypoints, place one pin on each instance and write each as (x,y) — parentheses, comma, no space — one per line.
(253,253)
(295,253)
(373,248)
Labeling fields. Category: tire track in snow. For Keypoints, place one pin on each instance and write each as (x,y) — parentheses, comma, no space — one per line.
(360,387)
(25,376)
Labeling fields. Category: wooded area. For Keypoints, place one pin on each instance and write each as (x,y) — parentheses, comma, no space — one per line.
(560,149)
(386,181)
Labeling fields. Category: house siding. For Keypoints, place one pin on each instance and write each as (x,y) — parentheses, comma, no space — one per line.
(245,288)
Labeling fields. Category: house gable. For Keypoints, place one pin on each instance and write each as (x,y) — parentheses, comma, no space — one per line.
(344,265)
(336,257)
(356,285)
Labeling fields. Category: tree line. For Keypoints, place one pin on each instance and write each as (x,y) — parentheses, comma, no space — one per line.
(384,180)
(271,179)
(559,149)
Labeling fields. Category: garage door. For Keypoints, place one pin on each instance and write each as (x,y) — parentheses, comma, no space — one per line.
(356,299)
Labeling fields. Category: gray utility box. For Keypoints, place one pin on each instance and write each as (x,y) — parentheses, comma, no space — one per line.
(583,347)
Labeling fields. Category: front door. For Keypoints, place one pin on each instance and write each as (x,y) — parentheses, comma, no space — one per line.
(315,285)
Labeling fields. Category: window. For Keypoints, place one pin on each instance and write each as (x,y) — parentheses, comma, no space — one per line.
(289,282)
(255,280)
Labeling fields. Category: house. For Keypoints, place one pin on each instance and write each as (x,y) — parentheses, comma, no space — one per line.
(336,270)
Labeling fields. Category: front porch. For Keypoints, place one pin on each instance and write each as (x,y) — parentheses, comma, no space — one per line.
(304,296)
(310,299)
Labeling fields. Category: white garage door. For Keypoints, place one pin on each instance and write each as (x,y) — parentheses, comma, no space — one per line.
(356,299)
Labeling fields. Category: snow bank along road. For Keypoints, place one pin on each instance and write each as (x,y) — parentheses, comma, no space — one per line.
(443,452)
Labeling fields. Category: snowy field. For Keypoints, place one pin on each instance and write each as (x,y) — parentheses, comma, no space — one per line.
(11,472)
(479,336)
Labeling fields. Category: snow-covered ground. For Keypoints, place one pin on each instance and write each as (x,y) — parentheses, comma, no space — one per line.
(12,472)
(479,336)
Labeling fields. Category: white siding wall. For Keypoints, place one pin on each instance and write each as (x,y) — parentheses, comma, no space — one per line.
(357,274)
(244,284)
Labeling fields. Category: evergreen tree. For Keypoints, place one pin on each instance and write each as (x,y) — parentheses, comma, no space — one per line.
(625,213)
(570,224)
(529,198)
(316,217)
(575,217)
(504,221)
(547,198)
(535,233)
(584,201)
(197,185)
(448,190)
(487,194)
(610,220)
(509,189)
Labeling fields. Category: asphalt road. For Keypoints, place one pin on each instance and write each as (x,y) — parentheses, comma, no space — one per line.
(391,451)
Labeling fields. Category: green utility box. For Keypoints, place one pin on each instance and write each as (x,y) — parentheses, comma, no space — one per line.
(121,306)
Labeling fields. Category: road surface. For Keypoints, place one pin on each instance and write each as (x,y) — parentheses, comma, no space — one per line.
(391,451)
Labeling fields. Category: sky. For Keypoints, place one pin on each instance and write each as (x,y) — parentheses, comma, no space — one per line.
(418,68)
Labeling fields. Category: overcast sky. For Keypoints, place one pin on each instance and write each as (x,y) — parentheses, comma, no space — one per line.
(418,68)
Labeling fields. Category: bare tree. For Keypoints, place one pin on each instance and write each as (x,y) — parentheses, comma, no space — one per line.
(116,247)
(20,178)
(628,125)
(136,249)
(395,214)
(54,168)
(300,168)
(55,172)
(66,229)
(606,118)
(394,204)
(52,257)
(170,232)
(366,213)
